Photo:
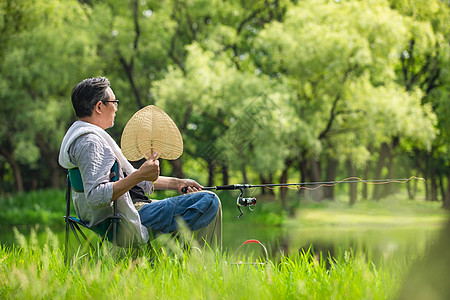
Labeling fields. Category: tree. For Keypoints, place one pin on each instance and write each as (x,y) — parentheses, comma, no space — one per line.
(260,89)
(323,49)
(424,65)
(45,48)
(223,113)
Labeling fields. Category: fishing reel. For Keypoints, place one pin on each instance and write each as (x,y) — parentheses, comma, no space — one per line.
(241,201)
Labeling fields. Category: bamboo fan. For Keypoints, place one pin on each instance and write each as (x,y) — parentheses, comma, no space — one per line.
(148,131)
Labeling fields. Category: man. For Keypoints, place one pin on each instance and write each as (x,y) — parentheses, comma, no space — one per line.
(88,147)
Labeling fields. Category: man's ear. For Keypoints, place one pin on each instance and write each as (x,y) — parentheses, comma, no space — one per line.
(98,107)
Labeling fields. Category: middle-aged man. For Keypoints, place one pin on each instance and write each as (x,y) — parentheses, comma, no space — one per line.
(88,147)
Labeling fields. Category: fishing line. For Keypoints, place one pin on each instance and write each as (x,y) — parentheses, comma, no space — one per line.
(251,201)
(299,186)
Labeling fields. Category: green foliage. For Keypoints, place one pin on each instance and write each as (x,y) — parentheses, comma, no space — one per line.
(253,85)
(44,207)
(350,68)
(39,62)
(224,112)
(424,64)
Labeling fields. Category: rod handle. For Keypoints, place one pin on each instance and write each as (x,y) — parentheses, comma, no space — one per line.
(224,187)
(206,188)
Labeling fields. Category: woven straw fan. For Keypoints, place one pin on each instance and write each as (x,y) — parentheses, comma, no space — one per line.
(148,131)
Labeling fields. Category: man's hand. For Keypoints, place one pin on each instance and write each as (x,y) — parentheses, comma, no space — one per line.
(149,170)
(191,185)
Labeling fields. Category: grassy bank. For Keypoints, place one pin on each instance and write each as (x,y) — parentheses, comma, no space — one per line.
(35,269)
(326,222)
(44,207)
(40,273)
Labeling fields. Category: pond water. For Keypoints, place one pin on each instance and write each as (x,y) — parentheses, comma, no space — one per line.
(388,243)
(380,243)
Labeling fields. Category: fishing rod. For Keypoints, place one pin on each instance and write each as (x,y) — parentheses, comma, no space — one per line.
(251,201)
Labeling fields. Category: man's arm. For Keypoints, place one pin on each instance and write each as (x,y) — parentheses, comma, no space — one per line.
(149,171)
(172,183)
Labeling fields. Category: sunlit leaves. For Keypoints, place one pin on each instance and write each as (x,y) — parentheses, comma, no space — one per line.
(38,68)
(338,57)
(249,83)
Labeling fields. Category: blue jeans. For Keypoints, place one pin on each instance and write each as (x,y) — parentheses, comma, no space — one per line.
(196,209)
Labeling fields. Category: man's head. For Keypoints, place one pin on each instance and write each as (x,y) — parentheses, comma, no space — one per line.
(87,93)
(94,101)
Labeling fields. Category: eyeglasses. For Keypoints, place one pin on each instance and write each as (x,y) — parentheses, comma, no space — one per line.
(115,103)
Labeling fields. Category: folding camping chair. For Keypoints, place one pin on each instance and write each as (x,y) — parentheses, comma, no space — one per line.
(107,229)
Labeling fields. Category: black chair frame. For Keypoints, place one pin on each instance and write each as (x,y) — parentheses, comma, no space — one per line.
(73,225)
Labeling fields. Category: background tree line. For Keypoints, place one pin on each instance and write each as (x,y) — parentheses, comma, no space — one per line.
(262,90)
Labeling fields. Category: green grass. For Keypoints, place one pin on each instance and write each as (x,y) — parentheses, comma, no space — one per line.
(395,210)
(45,207)
(33,272)
(33,267)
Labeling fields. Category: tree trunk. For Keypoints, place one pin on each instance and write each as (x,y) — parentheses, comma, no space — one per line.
(48,156)
(303,166)
(2,173)
(352,186)
(284,179)
(365,192)
(390,188)
(265,180)
(211,173)
(411,190)
(18,180)
(129,66)
(177,168)
(434,188)
(428,174)
(244,173)
(383,154)
(17,176)
(331,173)
(316,194)
(55,174)
(446,203)
(225,177)
(441,187)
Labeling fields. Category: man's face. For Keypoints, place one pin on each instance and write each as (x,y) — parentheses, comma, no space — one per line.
(110,109)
